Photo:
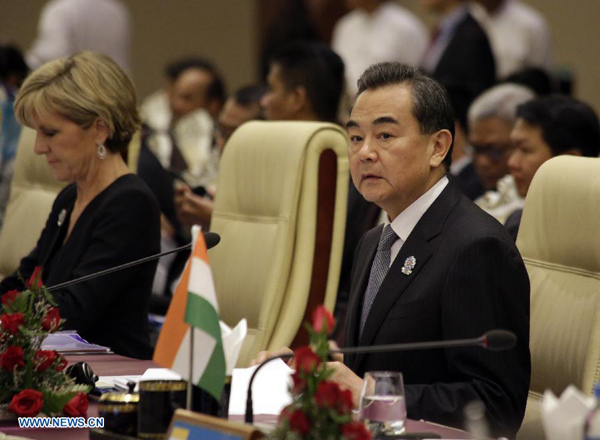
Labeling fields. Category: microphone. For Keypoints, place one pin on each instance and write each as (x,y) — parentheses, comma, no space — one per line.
(211,238)
(493,340)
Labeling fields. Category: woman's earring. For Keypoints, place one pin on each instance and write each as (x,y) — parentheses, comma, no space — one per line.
(101,151)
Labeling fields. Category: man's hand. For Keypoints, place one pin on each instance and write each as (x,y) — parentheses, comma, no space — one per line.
(335,356)
(264,355)
(347,380)
(192,209)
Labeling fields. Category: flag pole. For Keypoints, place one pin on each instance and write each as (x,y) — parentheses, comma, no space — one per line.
(188,402)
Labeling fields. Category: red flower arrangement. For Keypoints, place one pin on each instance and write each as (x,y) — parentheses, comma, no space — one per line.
(320,409)
(31,379)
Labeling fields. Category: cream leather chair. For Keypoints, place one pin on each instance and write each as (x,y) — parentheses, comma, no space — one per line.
(280,210)
(32,193)
(559,240)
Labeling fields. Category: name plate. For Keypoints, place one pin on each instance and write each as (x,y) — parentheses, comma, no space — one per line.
(188,425)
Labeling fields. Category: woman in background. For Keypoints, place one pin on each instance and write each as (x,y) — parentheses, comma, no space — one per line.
(84,111)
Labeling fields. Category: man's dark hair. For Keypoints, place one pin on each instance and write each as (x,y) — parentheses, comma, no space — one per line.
(250,96)
(430,101)
(566,123)
(318,69)
(12,63)
(215,90)
(535,78)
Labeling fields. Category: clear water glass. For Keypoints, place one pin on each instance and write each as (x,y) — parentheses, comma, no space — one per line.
(382,403)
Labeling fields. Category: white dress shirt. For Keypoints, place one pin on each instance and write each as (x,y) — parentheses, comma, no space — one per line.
(406,221)
(70,26)
(519,37)
(390,33)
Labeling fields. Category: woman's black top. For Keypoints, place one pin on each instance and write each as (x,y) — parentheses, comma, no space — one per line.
(119,225)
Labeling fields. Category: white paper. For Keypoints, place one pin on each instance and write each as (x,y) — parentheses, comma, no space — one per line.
(69,341)
(118,382)
(270,392)
(232,343)
(564,417)
(160,374)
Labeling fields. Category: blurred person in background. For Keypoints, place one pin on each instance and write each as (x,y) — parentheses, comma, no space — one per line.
(519,35)
(67,27)
(462,169)
(459,52)
(179,120)
(375,31)
(13,71)
(84,111)
(243,106)
(491,118)
(304,83)
(547,127)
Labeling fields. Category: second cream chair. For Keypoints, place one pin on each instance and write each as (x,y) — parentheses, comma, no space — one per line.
(280,210)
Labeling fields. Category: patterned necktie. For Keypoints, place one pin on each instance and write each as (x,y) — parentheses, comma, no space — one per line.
(379,269)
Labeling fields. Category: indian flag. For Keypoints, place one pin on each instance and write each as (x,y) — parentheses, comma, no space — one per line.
(194,309)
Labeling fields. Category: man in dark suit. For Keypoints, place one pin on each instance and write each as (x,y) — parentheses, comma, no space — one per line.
(440,269)
(459,53)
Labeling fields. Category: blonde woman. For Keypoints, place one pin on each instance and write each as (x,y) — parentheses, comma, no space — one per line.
(83,109)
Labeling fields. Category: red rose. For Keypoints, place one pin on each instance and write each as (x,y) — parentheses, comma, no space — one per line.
(322,320)
(35,280)
(306,360)
(327,394)
(44,359)
(299,422)
(27,403)
(299,383)
(12,322)
(77,406)
(9,297)
(51,321)
(62,363)
(12,357)
(355,431)
(345,401)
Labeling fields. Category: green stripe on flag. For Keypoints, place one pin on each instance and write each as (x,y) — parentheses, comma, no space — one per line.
(213,378)
(202,315)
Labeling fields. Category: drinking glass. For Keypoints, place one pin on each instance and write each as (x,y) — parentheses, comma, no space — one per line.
(382,404)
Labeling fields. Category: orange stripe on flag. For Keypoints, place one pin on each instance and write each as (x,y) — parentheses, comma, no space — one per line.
(174,328)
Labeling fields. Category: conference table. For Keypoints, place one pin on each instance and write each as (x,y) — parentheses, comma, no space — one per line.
(114,365)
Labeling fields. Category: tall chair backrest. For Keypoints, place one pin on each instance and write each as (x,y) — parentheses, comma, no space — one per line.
(559,240)
(280,210)
(32,193)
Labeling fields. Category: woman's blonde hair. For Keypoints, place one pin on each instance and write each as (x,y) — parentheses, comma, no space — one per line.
(81,88)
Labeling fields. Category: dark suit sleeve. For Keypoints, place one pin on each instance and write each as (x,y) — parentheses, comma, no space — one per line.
(487,287)
(128,230)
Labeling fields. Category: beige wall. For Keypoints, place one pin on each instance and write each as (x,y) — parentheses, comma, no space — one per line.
(164,30)
(225,31)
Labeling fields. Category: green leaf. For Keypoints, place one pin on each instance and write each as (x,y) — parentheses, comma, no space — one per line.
(49,296)
(55,402)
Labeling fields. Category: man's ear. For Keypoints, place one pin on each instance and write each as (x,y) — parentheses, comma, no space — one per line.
(573,152)
(439,144)
(298,100)
(101,129)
